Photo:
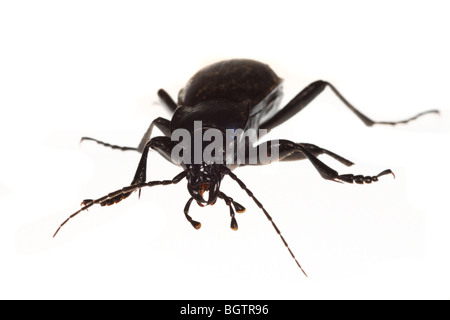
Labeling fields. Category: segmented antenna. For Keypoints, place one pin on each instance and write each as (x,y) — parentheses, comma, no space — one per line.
(259,204)
(120,194)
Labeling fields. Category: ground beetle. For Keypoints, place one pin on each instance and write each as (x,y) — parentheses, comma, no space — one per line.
(232,94)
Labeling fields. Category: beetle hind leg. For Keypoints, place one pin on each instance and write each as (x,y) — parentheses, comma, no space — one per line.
(307,95)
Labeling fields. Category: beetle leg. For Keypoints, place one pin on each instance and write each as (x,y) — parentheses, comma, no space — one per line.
(163,145)
(308,94)
(330,174)
(350,178)
(160,123)
(106,144)
(289,151)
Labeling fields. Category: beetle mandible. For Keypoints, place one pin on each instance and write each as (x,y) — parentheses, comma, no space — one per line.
(230,95)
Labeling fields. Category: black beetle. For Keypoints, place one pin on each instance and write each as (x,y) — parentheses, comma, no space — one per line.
(231,95)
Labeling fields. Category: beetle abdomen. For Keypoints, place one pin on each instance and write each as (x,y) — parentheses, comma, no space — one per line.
(236,80)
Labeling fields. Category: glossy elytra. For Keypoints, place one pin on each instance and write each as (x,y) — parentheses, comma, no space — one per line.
(232,94)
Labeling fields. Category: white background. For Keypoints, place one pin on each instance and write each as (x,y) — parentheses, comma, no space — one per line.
(92,68)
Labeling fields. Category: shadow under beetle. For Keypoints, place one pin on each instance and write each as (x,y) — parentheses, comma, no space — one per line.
(232,94)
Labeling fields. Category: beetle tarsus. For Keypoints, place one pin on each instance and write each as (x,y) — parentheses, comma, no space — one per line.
(106,144)
(360,179)
(392,123)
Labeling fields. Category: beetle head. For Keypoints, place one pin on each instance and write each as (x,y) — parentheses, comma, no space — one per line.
(204,178)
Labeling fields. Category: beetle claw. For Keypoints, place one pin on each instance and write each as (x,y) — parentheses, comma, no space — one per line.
(86,202)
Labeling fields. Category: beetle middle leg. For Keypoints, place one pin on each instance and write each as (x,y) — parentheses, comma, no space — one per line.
(291,151)
(330,174)
(308,94)
(161,123)
(162,145)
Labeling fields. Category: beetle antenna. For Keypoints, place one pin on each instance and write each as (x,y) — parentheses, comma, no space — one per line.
(259,204)
(118,195)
